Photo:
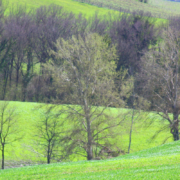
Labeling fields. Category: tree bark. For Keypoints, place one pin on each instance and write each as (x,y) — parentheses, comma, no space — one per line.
(89,144)
(5,83)
(175,133)
(132,119)
(48,159)
(130,133)
(48,155)
(2,156)
(174,129)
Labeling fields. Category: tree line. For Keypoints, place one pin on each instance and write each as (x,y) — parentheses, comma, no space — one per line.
(27,38)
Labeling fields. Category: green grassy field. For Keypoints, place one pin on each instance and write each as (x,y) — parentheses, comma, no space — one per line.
(22,152)
(168,6)
(68,5)
(76,7)
(158,8)
(162,162)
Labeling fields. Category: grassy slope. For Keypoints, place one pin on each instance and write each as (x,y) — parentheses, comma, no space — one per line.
(28,114)
(168,6)
(68,5)
(162,162)
(159,8)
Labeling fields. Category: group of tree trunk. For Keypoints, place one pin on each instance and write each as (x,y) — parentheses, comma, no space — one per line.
(51,56)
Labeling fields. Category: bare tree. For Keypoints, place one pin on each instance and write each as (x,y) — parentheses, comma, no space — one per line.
(87,76)
(161,69)
(49,131)
(9,131)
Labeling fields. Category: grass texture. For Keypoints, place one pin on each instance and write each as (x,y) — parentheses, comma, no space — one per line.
(85,9)
(158,8)
(162,162)
(68,5)
(23,152)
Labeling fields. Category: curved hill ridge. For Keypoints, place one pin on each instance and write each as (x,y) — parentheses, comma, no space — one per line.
(168,149)
(69,5)
(155,163)
(158,8)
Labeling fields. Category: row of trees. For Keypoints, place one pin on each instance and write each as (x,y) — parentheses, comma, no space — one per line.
(28,38)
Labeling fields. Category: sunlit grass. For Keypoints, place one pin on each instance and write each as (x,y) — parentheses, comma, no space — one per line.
(162,162)
(71,6)
(168,6)
(68,5)
(158,8)
(28,113)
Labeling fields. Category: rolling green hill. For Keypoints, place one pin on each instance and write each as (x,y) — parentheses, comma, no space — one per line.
(167,6)
(22,152)
(68,5)
(158,8)
(162,162)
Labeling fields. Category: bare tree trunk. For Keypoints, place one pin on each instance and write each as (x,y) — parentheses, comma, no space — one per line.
(5,84)
(38,90)
(2,156)
(89,145)
(48,155)
(17,76)
(174,129)
(17,83)
(89,134)
(175,133)
(48,159)
(27,76)
(89,148)
(11,70)
(130,134)
(132,119)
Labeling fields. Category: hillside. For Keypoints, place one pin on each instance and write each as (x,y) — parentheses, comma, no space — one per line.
(68,5)
(162,162)
(158,8)
(148,130)
(23,152)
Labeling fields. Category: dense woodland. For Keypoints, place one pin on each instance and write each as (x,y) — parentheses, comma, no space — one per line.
(128,60)
(28,38)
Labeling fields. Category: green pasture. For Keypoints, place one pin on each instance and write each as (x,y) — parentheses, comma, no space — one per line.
(68,5)
(161,162)
(168,6)
(24,152)
(158,8)
(75,7)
